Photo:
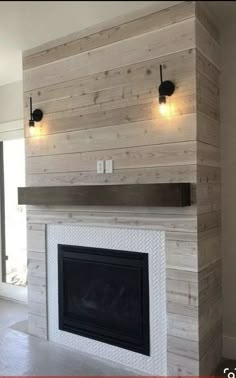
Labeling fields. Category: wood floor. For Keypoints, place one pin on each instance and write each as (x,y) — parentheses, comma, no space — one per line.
(25,355)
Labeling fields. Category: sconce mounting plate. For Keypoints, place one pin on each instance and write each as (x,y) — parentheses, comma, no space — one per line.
(166,88)
(37,115)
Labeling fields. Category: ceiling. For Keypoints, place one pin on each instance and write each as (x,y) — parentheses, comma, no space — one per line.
(26,24)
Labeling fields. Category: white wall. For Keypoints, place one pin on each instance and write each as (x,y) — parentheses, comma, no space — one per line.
(11,114)
(228,140)
(11,102)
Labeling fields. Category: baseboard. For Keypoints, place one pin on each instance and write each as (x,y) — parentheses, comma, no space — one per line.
(229,347)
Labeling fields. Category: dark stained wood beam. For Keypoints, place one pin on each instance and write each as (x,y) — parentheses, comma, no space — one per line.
(172,195)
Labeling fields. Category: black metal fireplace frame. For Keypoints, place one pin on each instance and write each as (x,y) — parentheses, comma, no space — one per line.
(124,258)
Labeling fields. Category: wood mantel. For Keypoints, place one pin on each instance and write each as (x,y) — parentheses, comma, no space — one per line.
(173,195)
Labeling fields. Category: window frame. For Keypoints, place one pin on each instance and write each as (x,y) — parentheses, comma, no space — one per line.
(2,217)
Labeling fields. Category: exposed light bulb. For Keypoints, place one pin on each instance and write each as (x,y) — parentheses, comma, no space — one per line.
(163,109)
(163,106)
(32,130)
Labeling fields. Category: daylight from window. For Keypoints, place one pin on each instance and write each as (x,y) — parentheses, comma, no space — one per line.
(15,215)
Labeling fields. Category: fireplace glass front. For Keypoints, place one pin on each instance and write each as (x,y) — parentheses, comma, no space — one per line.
(104,295)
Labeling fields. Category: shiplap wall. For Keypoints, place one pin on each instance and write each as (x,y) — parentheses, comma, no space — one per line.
(209,202)
(99,96)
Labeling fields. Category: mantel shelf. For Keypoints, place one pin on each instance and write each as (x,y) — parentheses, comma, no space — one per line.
(163,195)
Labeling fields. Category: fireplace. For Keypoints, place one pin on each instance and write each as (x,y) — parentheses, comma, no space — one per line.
(104,295)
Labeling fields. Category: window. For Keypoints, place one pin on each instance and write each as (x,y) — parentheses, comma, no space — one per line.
(13,216)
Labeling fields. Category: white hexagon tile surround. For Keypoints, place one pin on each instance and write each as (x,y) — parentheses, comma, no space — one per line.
(147,241)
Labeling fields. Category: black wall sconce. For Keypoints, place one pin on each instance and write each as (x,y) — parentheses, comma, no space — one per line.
(166,88)
(35,116)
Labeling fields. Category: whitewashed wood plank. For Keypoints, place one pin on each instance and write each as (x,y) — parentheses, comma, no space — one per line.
(182,326)
(182,255)
(208,155)
(173,129)
(36,268)
(182,347)
(182,366)
(207,45)
(180,36)
(36,240)
(110,35)
(183,224)
(184,173)
(39,309)
(38,326)
(36,293)
(116,21)
(208,130)
(182,292)
(177,67)
(134,157)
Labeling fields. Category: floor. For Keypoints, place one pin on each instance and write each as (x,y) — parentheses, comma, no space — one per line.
(23,354)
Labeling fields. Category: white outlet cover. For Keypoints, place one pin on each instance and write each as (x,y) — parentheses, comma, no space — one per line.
(100,166)
(109,166)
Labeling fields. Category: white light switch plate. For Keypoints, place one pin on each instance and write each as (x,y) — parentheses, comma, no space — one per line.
(109,166)
(100,166)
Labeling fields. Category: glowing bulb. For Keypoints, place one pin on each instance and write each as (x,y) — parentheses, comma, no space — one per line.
(32,130)
(163,109)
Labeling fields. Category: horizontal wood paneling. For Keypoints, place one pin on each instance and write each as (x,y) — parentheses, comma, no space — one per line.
(175,129)
(80,119)
(37,268)
(179,345)
(182,366)
(192,210)
(208,197)
(207,69)
(36,293)
(98,91)
(182,106)
(183,326)
(132,157)
(208,130)
(126,30)
(208,200)
(182,173)
(37,326)
(146,46)
(37,309)
(208,155)
(36,240)
(163,222)
(178,67)
(182,292)
(182,255)
(207,45)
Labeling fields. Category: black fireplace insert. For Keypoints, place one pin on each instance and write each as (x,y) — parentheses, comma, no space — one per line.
(104,295)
